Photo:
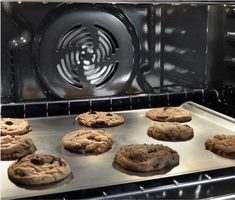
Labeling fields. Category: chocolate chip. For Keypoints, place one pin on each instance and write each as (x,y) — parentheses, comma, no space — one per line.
(92,112)
(9,123)
(152,150)
(20,172)
(52,160)
(138,157)
(187,126)
(99,124)
(19,158)
(61,163)
(165,108)
(91,137)
(156,166)
(37,160)
(109,114)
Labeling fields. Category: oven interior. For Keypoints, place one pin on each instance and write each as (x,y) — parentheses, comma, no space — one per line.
(67,58)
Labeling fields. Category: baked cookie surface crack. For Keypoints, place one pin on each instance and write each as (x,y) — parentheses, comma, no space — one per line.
(88,141)
(14,126)
(169,114)
(170,131)
(15,146)
(146,157)
(100,119)
(223,145)
(36,169)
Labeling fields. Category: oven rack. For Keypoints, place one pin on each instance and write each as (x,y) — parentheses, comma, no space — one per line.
(176,2)
(203,178)
(56,108)
(199,185)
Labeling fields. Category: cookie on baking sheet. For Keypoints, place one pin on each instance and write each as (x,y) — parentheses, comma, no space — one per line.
(146,157)
(88,141)
(223,145)
(169,114)
(100,119)
(36,169)
(14,126)
(170,131)
(16,146)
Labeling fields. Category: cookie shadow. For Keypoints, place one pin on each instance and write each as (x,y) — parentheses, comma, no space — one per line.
(74,153)
(172,140)
(65,152)
(230,156)
(70,153)
(141,174)
(49,185)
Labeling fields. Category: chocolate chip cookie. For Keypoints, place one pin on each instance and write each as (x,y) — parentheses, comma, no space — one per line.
(145,157)
(100,119)
(170,131)
(13,126)
(36,169)
(223,145)
(88,141)
(15,146)
(169,114)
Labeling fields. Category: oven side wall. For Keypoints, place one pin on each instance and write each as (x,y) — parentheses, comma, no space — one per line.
(177,48)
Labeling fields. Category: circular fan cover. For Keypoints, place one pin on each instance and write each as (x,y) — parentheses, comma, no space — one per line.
(86,51)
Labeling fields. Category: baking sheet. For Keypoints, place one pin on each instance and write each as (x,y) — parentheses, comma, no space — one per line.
(90,171)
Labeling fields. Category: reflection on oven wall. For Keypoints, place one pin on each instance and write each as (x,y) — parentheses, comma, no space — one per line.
(75,51)
(228,83)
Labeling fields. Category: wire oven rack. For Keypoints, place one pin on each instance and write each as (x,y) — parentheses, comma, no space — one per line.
(202,179)
(203,185)
(139,1)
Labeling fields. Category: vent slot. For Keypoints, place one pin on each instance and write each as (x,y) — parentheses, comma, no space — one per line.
(87,56)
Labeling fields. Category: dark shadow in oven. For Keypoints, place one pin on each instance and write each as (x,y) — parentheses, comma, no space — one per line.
(142,174)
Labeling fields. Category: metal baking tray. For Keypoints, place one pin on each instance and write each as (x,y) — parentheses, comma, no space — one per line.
(90,171)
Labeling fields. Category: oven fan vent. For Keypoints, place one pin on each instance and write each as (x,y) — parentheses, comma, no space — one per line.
(88,56)
(83,51)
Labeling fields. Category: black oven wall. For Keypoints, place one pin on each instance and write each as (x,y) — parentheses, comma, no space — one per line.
(53,51)
(221,51)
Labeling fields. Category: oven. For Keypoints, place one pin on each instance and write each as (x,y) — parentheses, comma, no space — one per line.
(59,59)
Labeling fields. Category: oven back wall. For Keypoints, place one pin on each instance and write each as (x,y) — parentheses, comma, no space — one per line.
(70,51)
